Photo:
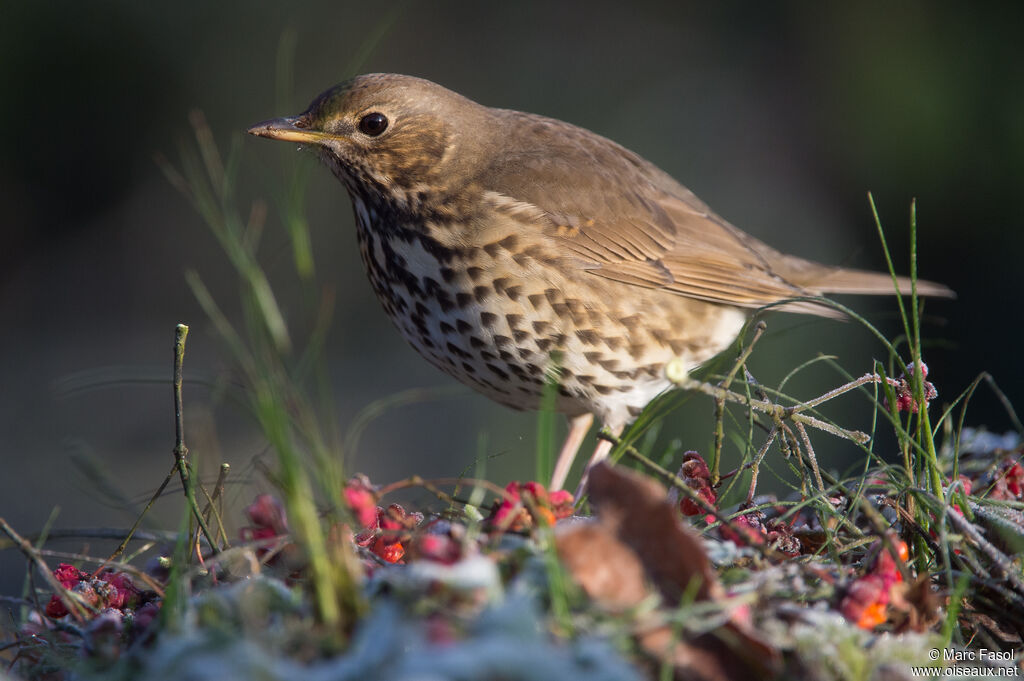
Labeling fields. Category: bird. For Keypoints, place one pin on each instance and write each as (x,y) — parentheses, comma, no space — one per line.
(512,250)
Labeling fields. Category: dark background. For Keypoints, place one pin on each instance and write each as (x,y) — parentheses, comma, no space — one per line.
(780,115)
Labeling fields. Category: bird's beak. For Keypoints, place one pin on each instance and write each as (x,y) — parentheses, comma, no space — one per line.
(288,130)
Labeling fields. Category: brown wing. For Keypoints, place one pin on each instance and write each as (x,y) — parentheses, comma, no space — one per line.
(622,218)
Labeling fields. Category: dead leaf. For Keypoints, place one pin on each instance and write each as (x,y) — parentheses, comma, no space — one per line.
(635,516)
(607,569)
(637,510)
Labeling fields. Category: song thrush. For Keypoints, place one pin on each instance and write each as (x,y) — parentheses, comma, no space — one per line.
(497,240)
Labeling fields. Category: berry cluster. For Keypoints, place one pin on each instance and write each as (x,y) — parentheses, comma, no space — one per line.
(108,589)
(749,528)
(390,531)
(905,392)
(527,505)
(697,477)
(110,612)
(868,597)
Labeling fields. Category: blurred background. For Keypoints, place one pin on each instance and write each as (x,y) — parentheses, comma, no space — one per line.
(780,115)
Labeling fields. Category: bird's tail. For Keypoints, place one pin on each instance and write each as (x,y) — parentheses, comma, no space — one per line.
(820,280)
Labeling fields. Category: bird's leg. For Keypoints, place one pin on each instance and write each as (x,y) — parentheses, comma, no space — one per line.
(578,427)
(604,447)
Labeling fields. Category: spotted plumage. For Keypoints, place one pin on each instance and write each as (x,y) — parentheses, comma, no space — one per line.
(499,242)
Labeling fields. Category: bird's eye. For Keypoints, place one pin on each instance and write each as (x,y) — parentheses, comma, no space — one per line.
(373,124)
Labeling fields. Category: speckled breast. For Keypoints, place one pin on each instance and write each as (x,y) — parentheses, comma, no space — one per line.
(495,315)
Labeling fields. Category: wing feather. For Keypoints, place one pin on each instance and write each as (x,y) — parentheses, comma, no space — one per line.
(626,220)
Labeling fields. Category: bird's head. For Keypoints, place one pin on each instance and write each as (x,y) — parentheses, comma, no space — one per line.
(385,132)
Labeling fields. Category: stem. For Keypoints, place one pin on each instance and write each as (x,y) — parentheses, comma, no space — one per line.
(918,381)
(180,450)
(755,465)
(785,413)
(720,402)
(836,392)
(138,521)
(811,457)
(72,601)
(217,509)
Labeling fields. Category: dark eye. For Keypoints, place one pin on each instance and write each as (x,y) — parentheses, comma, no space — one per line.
(373,124)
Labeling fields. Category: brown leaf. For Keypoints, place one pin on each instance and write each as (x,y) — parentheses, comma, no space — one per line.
(607,569)
(636,509)
(635,512)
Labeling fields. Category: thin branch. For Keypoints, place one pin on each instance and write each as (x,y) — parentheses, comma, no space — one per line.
(180,450)
(71,600)
(215,508)
(836,392)
(755,465)
(720,401)
(784,413)
(811,456)
(138,521)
